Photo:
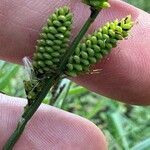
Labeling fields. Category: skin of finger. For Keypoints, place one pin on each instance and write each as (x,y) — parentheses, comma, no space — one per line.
(124,74)
(50,128)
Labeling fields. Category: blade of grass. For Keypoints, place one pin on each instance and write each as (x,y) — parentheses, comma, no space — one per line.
(8,76)
(116,124)
(144,145)
(59,102)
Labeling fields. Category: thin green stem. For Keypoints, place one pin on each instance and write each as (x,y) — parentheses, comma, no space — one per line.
(47,84)
(28,113)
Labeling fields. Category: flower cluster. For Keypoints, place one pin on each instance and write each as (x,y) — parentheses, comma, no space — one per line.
(97,4)
(53,41)
(94,47)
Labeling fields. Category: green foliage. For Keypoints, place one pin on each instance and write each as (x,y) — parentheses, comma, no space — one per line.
(125,126)
(143,4)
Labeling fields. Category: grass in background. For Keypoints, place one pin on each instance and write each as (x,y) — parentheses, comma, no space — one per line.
(126,127)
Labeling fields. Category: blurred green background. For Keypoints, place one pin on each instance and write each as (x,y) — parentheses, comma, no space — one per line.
(126,127)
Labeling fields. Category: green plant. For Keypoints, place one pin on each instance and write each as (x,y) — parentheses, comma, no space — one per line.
(47,73)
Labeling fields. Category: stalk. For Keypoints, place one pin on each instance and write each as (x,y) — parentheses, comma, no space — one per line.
(47,84)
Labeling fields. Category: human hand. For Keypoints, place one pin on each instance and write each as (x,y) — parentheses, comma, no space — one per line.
(49,129)
(124,76)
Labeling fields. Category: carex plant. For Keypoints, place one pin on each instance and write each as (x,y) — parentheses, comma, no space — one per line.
(54,40)
(55,56)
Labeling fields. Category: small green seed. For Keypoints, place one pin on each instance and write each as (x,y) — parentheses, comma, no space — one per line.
(127,26)
(94,40)
(34,63)
(56,47)
(40,71)
(62,51)
(41,42)
(113,41)
(118,29)
(83,47)
(106,37)
(62,18)
(119,37)
(71,73)
(109,46)
(59,42)
(90,51)
(92,60)
(46,69)
(61,11)
(116,22)
(41,63)
(62,29)
(66,9)
(48,62)
(54,16)
(84,55)
(112,26)
(59,36)
(49,49)
(85,62)
(52,30)
(45,29)
(57,23)
(66,40)
(69,16)
(125,34)
(38,56)
(56,60)
(41,49)
(78,67)
(98,56)
(104,52)
(76,58)
(55,54)
(50,36)
(111,32)
(67,23)
(43,35)
(49,42)
(96,48)
(77,51)
(88,43)
(105,30)
(65,45)
(99,35)
(67,34)
(70,66)
(49,22)
(101,43)
(47,56)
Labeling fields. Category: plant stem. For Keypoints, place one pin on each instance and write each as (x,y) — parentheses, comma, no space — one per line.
(47,84)
(28,113)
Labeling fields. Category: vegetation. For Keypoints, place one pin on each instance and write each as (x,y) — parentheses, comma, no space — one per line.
(125,126)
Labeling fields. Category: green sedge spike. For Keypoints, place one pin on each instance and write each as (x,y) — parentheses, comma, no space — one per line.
(97,4)
(53,41)
(94,47)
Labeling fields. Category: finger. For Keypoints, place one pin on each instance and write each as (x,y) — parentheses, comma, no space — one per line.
(22,20)
(124,76)
(50,128)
